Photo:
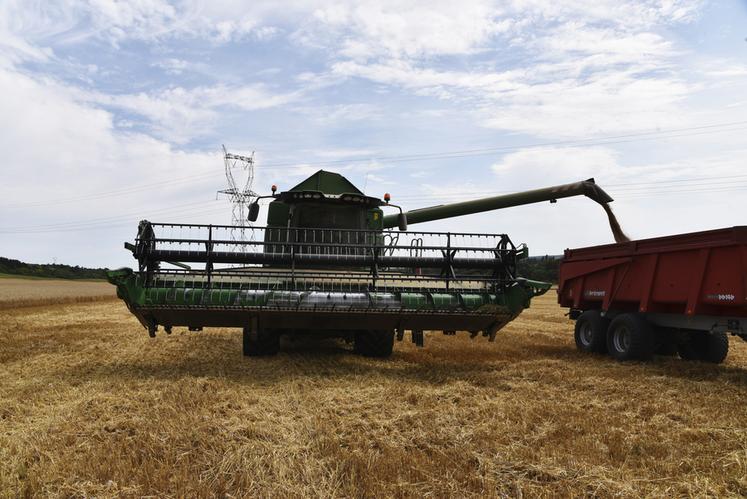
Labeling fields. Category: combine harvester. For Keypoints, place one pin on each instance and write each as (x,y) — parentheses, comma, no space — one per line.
(328,265)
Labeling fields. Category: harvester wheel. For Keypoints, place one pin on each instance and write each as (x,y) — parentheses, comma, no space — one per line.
(701,345)
(591,332)
(374,343)
(260,343)
(630,337)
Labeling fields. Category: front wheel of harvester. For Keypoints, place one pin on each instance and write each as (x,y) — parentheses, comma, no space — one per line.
(701,345)
(630,337)
(374,343)
(260,343)
(591,332)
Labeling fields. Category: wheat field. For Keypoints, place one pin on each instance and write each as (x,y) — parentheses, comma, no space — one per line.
(90,406)
(24,292)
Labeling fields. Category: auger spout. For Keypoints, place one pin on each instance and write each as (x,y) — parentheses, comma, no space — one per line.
(586,188)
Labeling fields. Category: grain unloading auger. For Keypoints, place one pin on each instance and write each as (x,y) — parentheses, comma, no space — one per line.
(326,265)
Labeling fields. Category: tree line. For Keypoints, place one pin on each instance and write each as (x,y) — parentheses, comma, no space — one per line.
(540,268)
(49,270)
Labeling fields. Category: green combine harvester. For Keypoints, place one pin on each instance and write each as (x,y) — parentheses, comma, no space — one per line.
(330,264)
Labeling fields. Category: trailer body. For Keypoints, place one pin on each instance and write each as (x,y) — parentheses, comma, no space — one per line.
(677,286)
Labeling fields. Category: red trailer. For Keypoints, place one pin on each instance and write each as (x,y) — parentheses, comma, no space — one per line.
(666,295)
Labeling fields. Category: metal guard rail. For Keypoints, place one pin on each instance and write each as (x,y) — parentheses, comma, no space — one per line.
(440,257)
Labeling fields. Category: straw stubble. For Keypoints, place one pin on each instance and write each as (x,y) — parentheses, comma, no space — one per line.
(89,405)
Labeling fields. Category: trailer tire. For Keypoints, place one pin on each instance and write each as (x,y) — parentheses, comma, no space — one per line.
(704,346)
(667,349)
(591,332)
(666,341)
(374,343)
(264,343)
(630,337)
(690,345)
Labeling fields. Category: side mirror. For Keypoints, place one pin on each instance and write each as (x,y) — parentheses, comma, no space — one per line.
(402,221)
(253,212)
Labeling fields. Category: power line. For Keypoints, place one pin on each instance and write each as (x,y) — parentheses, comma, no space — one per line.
(87,225)
(627,188)
(117,217)
(649,194)
(609,140)
(100,226)
(630,189)
(691,179)
(179,209)
(118,192)
(481,151)
(722,187)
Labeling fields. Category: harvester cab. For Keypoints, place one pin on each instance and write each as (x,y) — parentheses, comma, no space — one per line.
(327,264)
(329,200)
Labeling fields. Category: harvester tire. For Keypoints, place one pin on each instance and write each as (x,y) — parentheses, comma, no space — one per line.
(265,342)
(591,332)
(374,343)
(630,337)
(704,346)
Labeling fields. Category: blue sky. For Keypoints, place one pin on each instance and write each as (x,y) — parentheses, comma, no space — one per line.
(116,111)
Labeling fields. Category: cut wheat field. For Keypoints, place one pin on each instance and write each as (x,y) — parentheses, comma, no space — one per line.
(90,406)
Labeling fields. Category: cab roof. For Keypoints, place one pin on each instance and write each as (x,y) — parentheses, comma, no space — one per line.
(327,183)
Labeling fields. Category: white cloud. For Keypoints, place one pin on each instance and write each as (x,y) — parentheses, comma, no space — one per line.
(179,114)
(341,153)
(603,67)
(173,65)
(339,114)
(550,100)
(643,13)
(16,26)
(556,165)
(412,29)
(608,103)
(75,146)
(58,148)
(73,21)
(729,70)
(584,67)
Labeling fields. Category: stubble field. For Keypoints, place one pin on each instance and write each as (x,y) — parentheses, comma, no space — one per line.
(89,405)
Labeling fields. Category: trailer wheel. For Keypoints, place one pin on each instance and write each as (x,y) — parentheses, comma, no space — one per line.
(630,337)
(374,343)
(591,332)
(666,341)
(260,343)
(667,349)
(701,345)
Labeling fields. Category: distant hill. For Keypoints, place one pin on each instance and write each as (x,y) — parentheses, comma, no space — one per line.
(539,268)
(48,270)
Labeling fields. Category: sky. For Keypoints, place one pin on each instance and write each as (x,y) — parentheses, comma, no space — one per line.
(113,112)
